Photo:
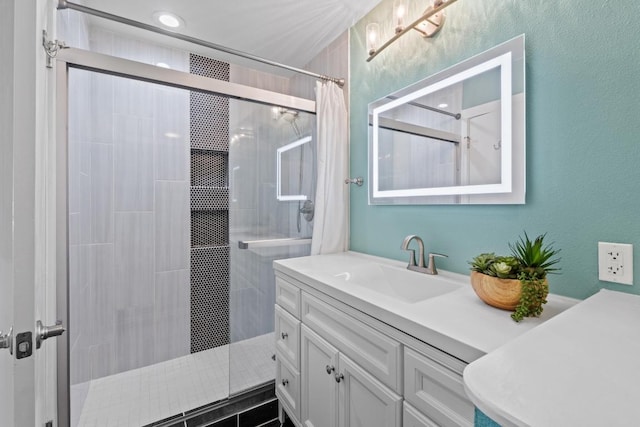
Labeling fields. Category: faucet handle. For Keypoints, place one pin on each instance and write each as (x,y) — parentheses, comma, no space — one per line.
(434,254)
(432,263)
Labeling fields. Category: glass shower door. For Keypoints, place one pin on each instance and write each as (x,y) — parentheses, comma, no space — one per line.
(272,185)
(131,324)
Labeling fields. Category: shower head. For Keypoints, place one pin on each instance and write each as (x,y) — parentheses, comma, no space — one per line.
(288,115)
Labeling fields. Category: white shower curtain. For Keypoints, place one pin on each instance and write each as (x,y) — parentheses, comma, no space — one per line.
(331,222)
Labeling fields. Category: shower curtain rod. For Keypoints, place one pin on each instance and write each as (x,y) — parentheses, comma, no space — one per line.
(63,4)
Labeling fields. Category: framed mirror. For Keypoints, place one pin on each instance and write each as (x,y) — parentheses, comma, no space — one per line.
(456,137)
(289,169)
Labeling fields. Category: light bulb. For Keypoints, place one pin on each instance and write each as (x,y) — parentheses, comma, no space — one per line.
(400,9)
(373,34)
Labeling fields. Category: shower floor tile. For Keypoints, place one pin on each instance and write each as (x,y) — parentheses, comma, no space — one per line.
(145,395)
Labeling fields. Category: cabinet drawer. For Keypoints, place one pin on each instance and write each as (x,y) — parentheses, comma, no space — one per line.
(375,352)
(288,337)
(411,417)
(436,391)
(288,388)
(288,296)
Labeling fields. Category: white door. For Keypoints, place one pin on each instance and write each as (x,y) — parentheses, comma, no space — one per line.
(23,105)
(365,401)
(481,153)
(319,394)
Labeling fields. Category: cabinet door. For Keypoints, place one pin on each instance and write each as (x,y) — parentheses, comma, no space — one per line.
(436,390)
(319,394)
(411,417)
(288,387)
(287,336)
(365,401)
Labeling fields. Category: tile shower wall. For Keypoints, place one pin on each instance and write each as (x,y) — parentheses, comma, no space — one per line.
(129,219)
(209,123)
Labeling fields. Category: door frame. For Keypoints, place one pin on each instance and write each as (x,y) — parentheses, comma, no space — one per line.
(27,269)
(105,64)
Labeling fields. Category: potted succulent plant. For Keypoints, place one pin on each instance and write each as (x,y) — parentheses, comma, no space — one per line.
(518,281)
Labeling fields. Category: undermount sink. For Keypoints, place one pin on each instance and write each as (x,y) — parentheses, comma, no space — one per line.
(398,283)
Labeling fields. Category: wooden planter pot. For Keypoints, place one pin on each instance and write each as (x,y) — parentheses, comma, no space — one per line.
(499,293)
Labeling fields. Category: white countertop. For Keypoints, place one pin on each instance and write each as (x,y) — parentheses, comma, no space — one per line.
(457,322)
(581,368)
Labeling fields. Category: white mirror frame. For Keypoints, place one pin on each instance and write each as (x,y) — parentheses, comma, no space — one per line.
(504,62)
(279,153)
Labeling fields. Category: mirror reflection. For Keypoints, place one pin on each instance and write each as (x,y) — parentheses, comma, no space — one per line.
(455,137)
(290,169)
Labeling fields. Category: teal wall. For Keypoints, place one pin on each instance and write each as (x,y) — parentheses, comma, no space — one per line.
(583,134)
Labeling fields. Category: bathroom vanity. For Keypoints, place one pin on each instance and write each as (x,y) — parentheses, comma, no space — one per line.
(361,340)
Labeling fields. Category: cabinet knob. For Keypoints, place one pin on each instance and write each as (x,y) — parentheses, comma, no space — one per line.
(330,369)
(338,377)
(284,335)
(285,382)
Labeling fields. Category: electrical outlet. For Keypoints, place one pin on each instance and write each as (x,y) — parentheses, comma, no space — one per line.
(615,262)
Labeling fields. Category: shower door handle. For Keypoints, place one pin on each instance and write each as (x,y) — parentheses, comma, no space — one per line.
(45,332)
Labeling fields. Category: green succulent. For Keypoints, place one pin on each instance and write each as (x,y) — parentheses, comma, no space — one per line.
(505,267)
(530,262)
(535,259)
(482,262)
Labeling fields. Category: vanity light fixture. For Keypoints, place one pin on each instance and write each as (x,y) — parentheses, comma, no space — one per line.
(428,24)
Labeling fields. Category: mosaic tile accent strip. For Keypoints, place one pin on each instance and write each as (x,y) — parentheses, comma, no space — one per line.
(209,228)
(209,126)
(209,113)
(209,198)
(209,298)
(207,67)
(209,168)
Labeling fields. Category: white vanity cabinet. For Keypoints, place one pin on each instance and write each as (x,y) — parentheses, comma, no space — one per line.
(433,386)
(338,392)
(339,367)
(287,335)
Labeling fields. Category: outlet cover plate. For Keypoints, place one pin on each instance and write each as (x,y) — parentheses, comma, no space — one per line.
(615,262)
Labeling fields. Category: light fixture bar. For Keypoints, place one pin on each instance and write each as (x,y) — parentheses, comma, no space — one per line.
(410,27)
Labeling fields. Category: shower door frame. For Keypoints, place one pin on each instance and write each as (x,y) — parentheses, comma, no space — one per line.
(105,64)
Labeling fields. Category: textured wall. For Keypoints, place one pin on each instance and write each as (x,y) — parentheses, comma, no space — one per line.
(582,134)
(128,213)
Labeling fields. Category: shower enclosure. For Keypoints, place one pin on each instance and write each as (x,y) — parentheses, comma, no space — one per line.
(175,215)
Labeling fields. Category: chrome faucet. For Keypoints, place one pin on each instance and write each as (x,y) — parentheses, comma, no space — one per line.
(419,267)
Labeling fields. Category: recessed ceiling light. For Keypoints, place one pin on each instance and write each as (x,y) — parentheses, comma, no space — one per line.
(168,19)
(443,105)
(162,65)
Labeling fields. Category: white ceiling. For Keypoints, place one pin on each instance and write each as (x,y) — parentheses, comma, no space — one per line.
(291,32)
